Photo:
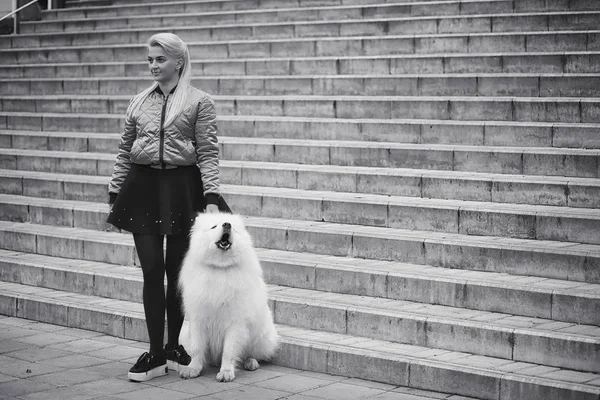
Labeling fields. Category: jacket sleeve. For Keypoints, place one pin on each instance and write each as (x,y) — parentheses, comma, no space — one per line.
(207,148)
(123,163)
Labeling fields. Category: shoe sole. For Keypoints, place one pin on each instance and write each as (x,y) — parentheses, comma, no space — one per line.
(146,376)
(175,366)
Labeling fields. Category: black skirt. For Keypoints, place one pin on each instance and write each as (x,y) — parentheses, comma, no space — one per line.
(160,201)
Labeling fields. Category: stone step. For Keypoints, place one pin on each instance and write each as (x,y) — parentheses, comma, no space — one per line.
(103,8)
(483,291)
(509,160)
(136,7)
(189,28)
(503,336)
(333,353)
(517,63)
(530,85)
(90,3)
(181,13)
(468,217)
(471,218)
(457,185)
(475,133)
(506,160)
(511,42)
(539,258)
(457,108)
(473,186)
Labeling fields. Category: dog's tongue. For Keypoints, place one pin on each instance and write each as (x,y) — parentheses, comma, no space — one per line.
(225,237)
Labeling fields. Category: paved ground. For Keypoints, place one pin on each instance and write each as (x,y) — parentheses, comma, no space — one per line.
(43,361)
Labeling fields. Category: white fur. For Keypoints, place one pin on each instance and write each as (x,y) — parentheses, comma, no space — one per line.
(225,300)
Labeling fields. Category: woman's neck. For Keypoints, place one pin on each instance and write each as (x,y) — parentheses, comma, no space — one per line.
(166,87)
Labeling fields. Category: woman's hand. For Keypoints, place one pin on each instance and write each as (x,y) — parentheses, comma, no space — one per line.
(212,209)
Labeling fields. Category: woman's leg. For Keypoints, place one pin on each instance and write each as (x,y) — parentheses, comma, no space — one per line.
(151,255)
(177,246)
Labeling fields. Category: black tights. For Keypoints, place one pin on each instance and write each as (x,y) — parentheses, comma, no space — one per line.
(154,265)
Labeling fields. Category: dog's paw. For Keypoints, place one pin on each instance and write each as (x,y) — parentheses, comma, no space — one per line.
(226,375)
(189,373)
(251,364)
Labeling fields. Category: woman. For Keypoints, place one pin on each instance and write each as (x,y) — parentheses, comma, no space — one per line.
(167,169)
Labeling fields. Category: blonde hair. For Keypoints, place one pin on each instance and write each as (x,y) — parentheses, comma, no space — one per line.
(174,47)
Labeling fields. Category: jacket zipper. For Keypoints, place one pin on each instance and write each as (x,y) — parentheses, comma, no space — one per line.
(161,148)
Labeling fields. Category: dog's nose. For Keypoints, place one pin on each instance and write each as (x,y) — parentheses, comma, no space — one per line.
(227,226)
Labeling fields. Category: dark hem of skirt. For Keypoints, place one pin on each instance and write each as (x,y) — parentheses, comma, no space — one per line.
(160,201)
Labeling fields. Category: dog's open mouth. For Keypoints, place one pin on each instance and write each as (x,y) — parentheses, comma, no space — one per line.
(224,243)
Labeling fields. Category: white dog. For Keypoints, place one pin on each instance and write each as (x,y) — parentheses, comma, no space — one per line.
(225,298)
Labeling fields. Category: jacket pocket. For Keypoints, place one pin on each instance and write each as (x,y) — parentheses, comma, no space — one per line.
(139,152)
(134,153)
(186,152)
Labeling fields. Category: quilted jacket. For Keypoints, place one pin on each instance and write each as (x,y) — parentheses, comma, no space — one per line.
(190,139)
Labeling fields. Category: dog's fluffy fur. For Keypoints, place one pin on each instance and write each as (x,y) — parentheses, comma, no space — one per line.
(225,298)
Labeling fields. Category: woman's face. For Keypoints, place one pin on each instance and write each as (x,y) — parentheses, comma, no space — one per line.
(163,67)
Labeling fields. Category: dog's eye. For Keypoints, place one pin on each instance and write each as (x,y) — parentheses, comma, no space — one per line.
(214,227)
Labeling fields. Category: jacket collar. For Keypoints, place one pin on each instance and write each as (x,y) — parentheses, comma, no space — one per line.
(159,91)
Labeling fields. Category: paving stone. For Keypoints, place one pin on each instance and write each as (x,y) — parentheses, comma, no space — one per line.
(25,369)
(110,387)
(320,376)
(80,333)
(293,383)
(75,361)
(23,388)
(369,384)
(397,396)
(115,369)
(6,378)
(36,354)
(154,393)
(300,397)
(112,352)
(10,345)
(420,393)
(48,327)
(250,392)
(264,373)
(202,386)
(83,346)
(68,378)
(17,333)
(45,339)
(343,390)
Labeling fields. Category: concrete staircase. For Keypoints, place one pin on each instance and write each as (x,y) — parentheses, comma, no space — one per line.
(422,179)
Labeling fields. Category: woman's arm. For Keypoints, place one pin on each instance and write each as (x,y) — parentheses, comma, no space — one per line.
(207,149)
(123,163)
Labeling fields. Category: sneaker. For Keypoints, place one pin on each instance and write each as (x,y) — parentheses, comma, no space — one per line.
(177,357)
(147,367)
